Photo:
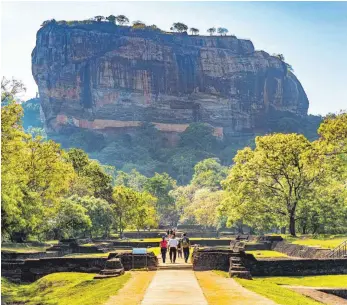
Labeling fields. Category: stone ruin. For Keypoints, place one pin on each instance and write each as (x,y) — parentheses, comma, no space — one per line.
(113,268)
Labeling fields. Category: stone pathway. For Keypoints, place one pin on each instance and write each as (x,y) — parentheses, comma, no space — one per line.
(174,287)
(219,290)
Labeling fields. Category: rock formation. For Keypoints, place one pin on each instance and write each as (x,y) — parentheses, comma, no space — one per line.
(111,78)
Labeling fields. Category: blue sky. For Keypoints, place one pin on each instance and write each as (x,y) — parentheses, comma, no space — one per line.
(311,35)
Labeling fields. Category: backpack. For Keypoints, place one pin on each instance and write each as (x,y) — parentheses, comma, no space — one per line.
(185,242)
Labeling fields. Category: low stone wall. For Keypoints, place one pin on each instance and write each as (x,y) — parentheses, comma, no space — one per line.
(300,250)
(153,234)
(32,269)
(211,259)
(294,267)
(8,255)
(137,261)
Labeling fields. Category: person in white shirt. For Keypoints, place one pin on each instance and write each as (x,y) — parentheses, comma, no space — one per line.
(172,244)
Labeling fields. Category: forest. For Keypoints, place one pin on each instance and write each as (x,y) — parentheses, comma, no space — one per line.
(279,181)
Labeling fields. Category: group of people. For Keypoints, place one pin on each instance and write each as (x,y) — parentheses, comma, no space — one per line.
(174,246)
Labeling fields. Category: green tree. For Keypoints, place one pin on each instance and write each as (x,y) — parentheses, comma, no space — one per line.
(209,173)
(198,136)
(160,186)
(194,31)
(275,178)
(71,220)
(123,204)
(99,18)
(100,214)
(179,27)
(211,31)
(111,18)
(121,19)
(222,31)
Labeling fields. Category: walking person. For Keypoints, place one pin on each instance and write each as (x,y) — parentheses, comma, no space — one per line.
(185,246)
(163,248)
(179,248)
(173,243)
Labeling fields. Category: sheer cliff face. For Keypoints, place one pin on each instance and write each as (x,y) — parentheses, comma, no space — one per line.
(113,80)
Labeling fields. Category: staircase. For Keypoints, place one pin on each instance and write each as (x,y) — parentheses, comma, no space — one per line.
(340,251)
(237,269)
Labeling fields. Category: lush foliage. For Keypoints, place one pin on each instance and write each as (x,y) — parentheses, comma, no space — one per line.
(64,288)
(287,178)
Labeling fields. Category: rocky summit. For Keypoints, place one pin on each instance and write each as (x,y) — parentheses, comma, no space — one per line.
(110,79)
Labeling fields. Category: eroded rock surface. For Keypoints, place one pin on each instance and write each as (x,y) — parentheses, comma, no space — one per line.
(107,78)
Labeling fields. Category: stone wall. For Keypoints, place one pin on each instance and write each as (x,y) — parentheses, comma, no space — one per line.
(139,261)
(300,250)
(211,259)
(32,269)
(294,267)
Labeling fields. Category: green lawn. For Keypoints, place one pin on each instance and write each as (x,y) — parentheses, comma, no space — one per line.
(314,281)
(270,287)
(65,288)
(266,253)
(324,243)
(276,293)
(83,255)
(24,249)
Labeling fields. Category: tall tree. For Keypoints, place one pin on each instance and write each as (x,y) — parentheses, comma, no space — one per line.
(194,31)
(111,18)
(222,31)
(276,177)
(179,27)
(211,31)
(121,19)
(99,18)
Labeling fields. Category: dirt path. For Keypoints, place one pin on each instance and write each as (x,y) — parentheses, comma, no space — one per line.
(133,291)
(225,291)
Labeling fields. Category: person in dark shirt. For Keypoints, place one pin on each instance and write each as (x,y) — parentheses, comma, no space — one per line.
(185,246)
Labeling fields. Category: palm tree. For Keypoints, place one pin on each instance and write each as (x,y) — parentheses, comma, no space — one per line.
(99,18)
(121,19)
(211,31)
(111,18)
(179,27)
(194,31)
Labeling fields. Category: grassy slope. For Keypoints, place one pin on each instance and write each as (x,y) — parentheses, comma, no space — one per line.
(276,293)
(65,288)
(313,281)
(270,288)
(266,253)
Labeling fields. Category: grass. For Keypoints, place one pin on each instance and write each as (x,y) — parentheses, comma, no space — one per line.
(24,249)
(65,288)
(313,281)
(270,287)
(266,253)
(276,293)
(324,243)
(82,255)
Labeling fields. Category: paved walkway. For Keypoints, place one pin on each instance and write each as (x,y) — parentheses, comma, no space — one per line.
(174,287)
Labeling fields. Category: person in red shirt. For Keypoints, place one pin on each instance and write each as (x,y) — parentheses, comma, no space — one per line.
(163,248)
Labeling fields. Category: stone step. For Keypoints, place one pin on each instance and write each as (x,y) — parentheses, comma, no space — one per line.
(111,271)
(238,268)
(105,276)
(170,266)
(235,259)
(245,274)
